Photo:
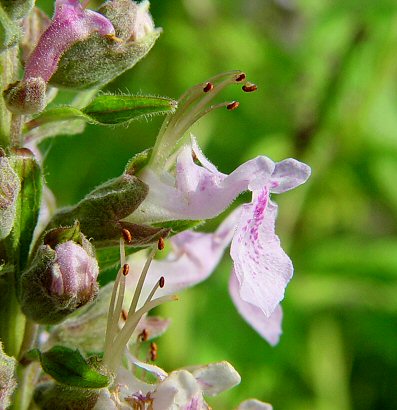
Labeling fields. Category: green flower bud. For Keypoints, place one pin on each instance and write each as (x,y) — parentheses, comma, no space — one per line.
(27,96)
(17,9)
(99,59)
(9,189)
(62,277)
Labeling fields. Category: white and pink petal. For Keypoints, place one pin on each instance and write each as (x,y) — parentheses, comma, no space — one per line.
(268,327)
(288,174)
(262,268)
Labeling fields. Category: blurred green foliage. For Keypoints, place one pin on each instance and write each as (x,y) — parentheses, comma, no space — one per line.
(326,73)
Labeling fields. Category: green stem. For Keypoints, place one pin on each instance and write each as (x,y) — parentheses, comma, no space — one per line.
(12,319)
(16,130)
(29,337)
(28,377)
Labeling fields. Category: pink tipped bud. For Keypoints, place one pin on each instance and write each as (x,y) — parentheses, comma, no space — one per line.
(71,23)
(59,281)
(74,273)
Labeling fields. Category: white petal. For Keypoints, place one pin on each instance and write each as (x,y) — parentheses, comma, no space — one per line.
(179,390)
(105,401)
(289,174)
(254,404)
(261,266)
(268,327)
(215,378)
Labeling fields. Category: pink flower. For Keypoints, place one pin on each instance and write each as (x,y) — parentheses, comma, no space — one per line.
(262,269)
(184,185)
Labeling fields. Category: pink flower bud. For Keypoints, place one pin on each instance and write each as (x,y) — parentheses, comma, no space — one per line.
(59,281)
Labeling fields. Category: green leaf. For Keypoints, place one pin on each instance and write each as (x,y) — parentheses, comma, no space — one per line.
(28,203)
(107,110)
(68,366)
(118,109)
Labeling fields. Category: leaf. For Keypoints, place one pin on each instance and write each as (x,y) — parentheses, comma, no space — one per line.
(68,366)
(107,110)
(28,203)
(117,109)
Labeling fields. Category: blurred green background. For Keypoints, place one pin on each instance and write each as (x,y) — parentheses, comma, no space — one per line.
(326,73)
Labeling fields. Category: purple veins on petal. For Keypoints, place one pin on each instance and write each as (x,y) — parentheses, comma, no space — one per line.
(261,266)
(71,23)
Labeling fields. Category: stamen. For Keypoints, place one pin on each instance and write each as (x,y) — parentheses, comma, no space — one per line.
(191,107)
(124,314)
(126,235)
(115,304)
(160,244)
(153,351)
(141,280)
(249,87)
(233,105)
(143,336)
(124,335)
(160,282)
(116,339)
(208,87)
(126,269)
(114,38)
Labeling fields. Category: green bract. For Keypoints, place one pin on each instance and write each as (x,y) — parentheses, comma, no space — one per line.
(9,190)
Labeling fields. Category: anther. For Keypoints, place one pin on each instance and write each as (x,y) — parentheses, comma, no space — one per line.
(126,269)
(208,87)
(249,87)
(143,336)
(241,77)
(124,314)
(153,351)
(194,156)
(162,282)
(126,235)
(114,38)
(233,105)
(160,244)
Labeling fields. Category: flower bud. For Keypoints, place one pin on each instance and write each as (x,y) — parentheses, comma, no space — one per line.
(99,59)
(61,278)
(26,96)
(9,189)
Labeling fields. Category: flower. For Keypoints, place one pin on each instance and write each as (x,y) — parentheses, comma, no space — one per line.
(71,23)
(184,185)
(181,389)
